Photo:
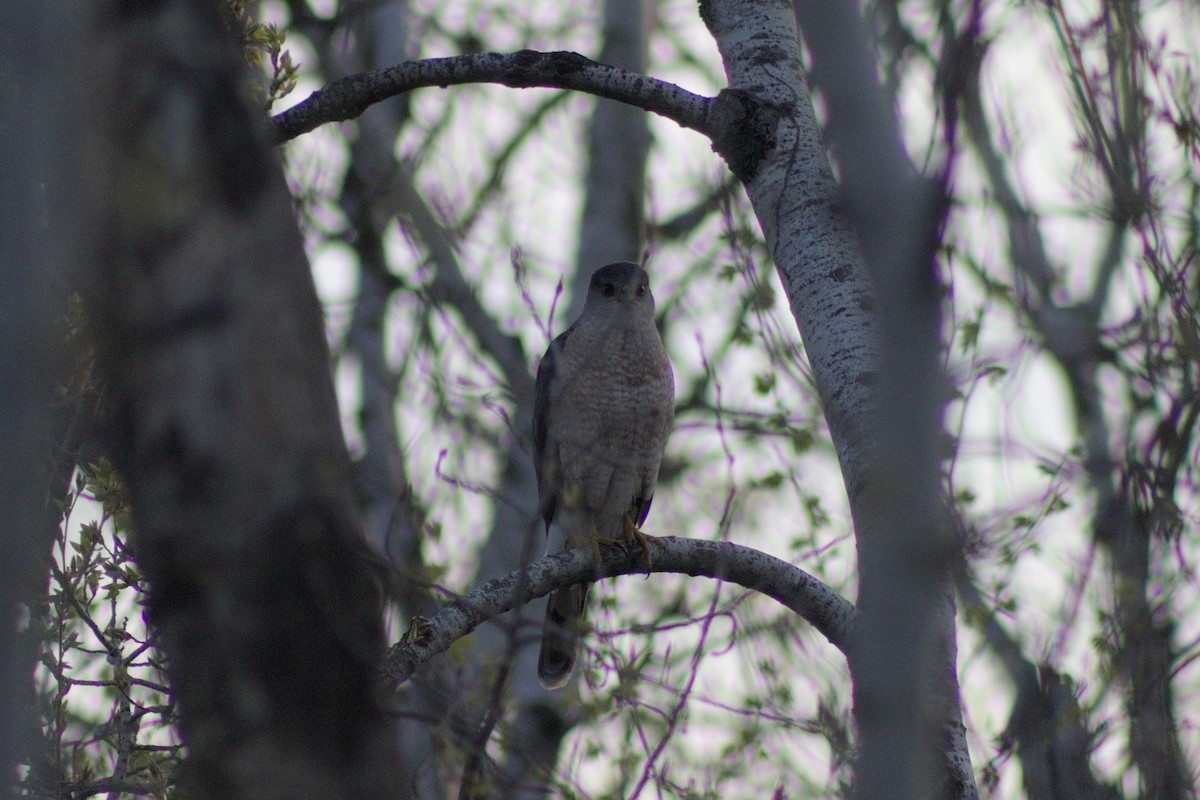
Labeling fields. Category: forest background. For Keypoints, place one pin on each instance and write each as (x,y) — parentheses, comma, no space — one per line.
(1025,225)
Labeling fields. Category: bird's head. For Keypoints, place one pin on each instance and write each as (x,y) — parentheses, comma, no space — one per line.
(620,288)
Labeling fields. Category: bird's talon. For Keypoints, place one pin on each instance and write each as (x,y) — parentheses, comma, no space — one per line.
(597,540)
(632,533)
(598,556)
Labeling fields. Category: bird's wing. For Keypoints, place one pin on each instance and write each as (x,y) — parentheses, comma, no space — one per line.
(664,405)
(545,457)
(565,607)
(641,509)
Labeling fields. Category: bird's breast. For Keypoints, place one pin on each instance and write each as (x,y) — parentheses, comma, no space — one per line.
(615,390)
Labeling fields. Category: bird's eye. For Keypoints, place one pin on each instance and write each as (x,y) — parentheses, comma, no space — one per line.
(641,290)
(608,289)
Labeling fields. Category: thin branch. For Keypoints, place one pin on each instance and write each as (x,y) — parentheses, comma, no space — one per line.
(1050,732)
(687,221)
(347,98)
(450,285)
(821,606)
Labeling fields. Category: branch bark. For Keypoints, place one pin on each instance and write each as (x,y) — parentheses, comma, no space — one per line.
(792,587)
(347,98)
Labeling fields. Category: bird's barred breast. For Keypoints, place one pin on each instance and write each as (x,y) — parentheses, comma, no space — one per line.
(625,405)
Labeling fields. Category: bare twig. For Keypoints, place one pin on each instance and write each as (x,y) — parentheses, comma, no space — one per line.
(1047,727)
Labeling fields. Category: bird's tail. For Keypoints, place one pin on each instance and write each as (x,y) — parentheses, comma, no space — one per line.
(560,637)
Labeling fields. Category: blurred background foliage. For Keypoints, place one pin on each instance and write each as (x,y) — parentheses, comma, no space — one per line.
(444,230)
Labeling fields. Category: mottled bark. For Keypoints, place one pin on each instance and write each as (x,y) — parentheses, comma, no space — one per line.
(226,427)
(348,97)
(875,363)
(905,673)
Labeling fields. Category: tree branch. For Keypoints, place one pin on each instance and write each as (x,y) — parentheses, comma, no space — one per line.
(821,606)
(1047,727)
(348,97)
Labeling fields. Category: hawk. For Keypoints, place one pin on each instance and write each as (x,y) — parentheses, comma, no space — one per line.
(605,401)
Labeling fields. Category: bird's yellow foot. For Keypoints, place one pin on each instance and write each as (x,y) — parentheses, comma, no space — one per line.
(632,533)
(596,553)
(597,540)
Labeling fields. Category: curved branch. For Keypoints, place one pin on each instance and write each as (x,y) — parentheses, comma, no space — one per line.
(348,97)
(821,606)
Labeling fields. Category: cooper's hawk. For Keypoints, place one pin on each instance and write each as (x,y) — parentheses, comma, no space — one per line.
(604,406)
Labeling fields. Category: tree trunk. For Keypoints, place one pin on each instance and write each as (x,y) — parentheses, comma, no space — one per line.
(226,426)
(875,368)
(38,233)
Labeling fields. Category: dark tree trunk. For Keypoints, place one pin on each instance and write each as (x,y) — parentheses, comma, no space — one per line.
(226,425)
